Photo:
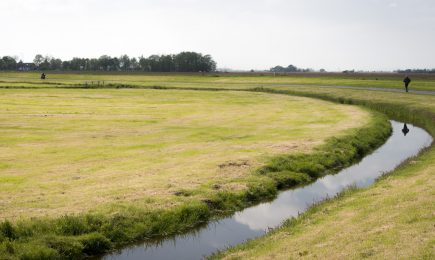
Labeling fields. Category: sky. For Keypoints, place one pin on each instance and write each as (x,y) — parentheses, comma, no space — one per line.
(239,34)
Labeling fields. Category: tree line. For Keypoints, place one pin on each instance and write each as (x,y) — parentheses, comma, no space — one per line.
(181,62)
(416,71)
(290,68)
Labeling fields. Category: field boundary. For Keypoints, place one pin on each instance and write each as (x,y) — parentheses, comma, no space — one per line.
(257,86)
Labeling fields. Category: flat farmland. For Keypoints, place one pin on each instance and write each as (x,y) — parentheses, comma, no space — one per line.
(67,151)
(214,80)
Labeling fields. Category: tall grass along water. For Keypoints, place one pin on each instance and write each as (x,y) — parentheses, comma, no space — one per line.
(257,220)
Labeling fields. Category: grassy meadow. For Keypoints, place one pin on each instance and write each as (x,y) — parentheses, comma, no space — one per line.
(215,80)
(68,151)
(84,171)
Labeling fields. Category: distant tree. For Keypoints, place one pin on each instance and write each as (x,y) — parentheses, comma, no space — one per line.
(8,63)
(78,64)
(134,64)
(144,64)
(38,60)
(105,62)
(182,62)
(45,65)
(416,71)
(187,62)
(277,69)
(167,63)
(66,65)
(114,64)
(124,62)
(154,62)
(289,68)
(207,63)
(93,64)
(194,62)
(55,64)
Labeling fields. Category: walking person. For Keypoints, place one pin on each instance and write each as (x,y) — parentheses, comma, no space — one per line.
(406,80)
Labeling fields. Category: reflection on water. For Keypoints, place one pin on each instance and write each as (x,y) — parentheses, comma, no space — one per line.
(405,129)
(255,221)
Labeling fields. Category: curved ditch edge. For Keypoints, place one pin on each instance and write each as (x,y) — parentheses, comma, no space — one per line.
(417,116)
(76,236)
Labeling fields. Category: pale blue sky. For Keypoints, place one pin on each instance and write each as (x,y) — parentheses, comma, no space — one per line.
(239,34)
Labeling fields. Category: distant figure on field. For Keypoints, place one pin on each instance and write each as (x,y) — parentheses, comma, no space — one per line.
(43,76)
(405,130)
(406,80)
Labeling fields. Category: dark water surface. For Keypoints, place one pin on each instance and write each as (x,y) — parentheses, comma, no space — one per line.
(255,221)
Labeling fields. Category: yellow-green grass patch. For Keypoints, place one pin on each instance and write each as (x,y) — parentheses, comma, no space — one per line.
(215,80)
(71,151)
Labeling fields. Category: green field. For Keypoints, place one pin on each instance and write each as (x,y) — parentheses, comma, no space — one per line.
(68,151)
(217,80)
(87,170)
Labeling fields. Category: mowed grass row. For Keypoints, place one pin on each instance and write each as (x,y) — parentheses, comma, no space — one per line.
(213,80)
(85,171)
(392,219)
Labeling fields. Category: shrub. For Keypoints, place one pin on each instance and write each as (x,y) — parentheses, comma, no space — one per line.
(38,252)
(71,225)
(7,247)
(67,247)
(287,179)
(7,230)
(261,190)
(94,243)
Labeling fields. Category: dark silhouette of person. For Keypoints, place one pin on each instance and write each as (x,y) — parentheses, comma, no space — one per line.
(405,130)
(43,76)
(406,80)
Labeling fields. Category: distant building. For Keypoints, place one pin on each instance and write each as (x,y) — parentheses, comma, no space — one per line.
(26,66)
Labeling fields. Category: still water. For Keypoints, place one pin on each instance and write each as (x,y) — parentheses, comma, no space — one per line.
(405,142)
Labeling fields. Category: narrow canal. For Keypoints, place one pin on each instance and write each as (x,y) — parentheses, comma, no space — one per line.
(405,142)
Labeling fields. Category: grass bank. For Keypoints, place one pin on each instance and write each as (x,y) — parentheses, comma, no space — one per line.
(90,233)
(391,219)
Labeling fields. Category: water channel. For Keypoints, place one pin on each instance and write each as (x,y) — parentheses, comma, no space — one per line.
(406,141)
